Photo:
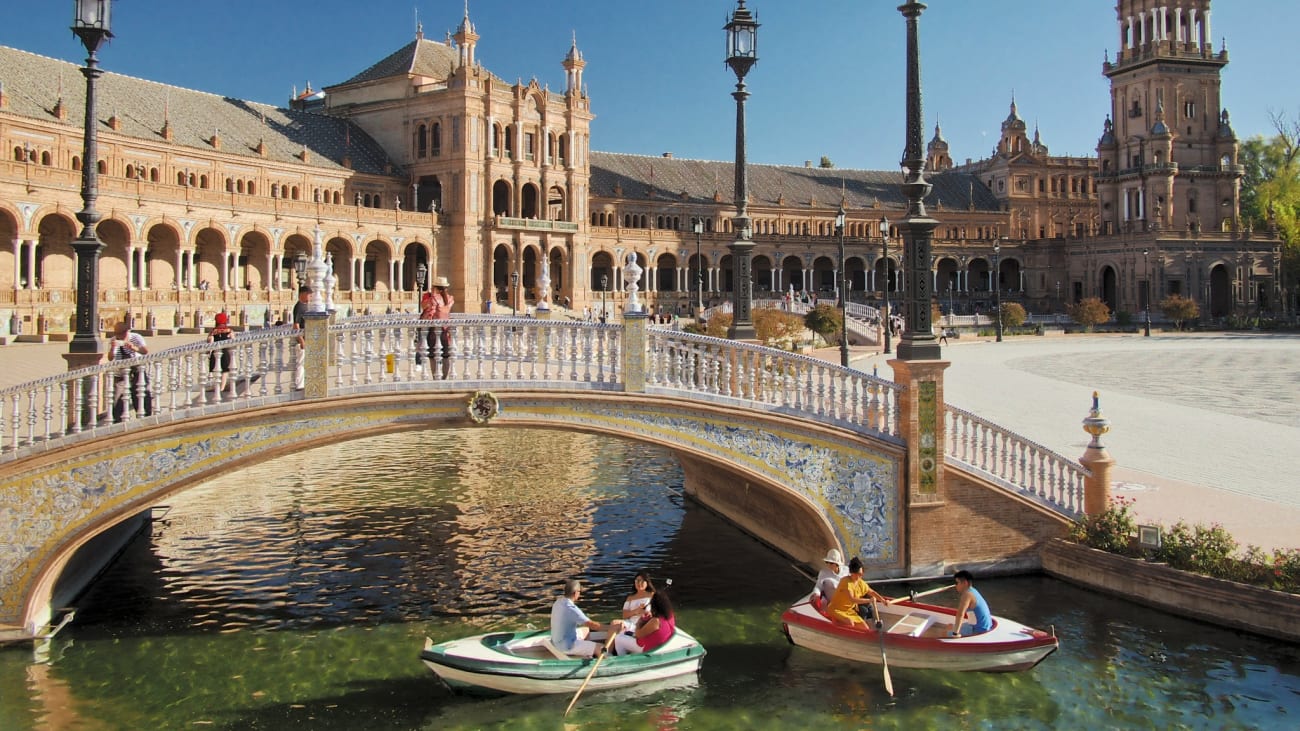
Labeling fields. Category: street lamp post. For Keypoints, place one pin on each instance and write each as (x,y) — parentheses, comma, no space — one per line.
(843,287)
(514,292)
(92,25)
(433,234)
(699,270)
(421,276)
(1059,304)
(604,287)
(884,283)
(997,285)
(919,341)
(742,54)
(1146,285)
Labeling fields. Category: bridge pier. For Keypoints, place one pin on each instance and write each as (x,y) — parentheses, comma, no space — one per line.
(775,517)
(922,426)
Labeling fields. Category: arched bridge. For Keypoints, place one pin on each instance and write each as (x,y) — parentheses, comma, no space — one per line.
(800,452)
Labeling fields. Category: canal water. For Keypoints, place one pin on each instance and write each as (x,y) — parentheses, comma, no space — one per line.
(296,594)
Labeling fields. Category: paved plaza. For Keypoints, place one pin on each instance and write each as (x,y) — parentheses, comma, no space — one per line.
(1204,428)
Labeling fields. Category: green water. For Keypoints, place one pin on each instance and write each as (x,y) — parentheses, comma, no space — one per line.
(297,594)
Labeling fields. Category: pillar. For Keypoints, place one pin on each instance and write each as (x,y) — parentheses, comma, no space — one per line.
(634,351)
(922,426)
(1096,490)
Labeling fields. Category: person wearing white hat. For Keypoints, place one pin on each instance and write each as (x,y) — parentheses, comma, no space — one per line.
(829,577)
(437,306)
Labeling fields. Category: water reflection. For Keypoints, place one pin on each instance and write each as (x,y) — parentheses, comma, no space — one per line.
(296,594)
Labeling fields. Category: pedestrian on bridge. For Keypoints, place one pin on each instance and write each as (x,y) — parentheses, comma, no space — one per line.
(130,382)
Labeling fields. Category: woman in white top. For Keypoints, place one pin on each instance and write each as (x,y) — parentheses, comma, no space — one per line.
(637,603)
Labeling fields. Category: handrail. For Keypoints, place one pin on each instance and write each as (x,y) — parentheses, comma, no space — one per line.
(717,368)
(155,388)
(1017,463)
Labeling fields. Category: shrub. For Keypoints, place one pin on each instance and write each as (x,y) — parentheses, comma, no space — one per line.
(1111,530)
(1123,318)
(774,327)
(824,320)
(1089,312)
(718,325)
(1179,309)
(1012,314)
(1204,550)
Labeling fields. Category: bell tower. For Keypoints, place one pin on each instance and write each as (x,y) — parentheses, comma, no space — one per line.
(1168,154)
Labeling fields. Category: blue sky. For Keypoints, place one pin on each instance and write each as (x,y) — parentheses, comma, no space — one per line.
(829,81)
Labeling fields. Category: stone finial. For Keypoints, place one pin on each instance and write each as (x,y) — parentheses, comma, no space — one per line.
(544,286)
(1096,424)
(632,278)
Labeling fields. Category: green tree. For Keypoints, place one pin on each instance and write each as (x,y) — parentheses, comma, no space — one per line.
(1179,309)
(826,162)
(824,320)
(1012,315)
(1270,194)
(1089,312)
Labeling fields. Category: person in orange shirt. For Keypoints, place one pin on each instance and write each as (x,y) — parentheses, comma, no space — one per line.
(851,593)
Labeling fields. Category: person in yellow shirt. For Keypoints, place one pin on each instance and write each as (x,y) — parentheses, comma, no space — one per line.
(851,593)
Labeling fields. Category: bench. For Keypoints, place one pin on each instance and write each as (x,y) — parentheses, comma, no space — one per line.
(913,624)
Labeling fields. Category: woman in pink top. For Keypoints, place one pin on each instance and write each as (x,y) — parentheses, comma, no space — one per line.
(652,631)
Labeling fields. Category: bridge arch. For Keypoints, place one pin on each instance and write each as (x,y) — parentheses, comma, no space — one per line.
(794,483)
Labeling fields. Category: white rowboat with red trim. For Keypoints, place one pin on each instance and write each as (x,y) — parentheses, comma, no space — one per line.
(916,636)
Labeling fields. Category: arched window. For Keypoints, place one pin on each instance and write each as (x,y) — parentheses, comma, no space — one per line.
(239,186)
(435,138)
(293,192)
(421,142)
(203,182)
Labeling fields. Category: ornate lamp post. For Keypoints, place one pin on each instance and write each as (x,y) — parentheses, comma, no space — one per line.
(699,270)
(300,269)
(919,341)
(433,232)
(514,290)
(997,285)
(421,276)
(884,282)
(604,287)
(92,25)
(1146,285)
(742,54)
(844,295)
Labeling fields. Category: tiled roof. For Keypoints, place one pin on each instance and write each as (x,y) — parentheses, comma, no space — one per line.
(635,176)
(420,57)
(32,87)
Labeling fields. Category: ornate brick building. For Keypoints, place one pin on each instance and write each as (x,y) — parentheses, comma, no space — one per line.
(427,164)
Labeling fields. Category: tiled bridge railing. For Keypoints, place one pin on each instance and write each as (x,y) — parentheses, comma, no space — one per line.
(391,353)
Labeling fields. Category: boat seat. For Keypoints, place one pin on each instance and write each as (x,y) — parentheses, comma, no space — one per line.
(546,642)
(913,624)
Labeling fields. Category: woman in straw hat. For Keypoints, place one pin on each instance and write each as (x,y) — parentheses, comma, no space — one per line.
(436,305)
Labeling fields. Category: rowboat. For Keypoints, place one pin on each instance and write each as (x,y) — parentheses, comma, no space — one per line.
(916,636)
(527,663)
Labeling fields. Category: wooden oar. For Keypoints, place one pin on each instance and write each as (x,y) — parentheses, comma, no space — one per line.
(884,661)
(917,596)
(590,675)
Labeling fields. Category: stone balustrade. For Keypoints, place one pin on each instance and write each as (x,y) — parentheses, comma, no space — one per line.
(1015,462)
(387,353)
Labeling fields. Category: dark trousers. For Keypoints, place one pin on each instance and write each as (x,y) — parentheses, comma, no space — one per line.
(131,391)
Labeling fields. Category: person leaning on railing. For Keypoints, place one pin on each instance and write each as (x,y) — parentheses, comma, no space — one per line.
(130,382)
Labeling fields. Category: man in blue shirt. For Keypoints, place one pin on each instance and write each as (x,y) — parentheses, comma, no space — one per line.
(970,600)
(569,626)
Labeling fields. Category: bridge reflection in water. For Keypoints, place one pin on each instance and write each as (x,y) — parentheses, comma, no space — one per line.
(296,593)
(800,452)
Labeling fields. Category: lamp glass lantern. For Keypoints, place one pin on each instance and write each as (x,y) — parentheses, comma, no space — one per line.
(300,268)
(92,15)
(742,40)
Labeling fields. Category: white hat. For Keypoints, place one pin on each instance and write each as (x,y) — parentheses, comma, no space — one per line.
(441,282)
(833,556)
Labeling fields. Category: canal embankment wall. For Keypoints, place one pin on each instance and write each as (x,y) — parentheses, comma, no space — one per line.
(1254,609)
